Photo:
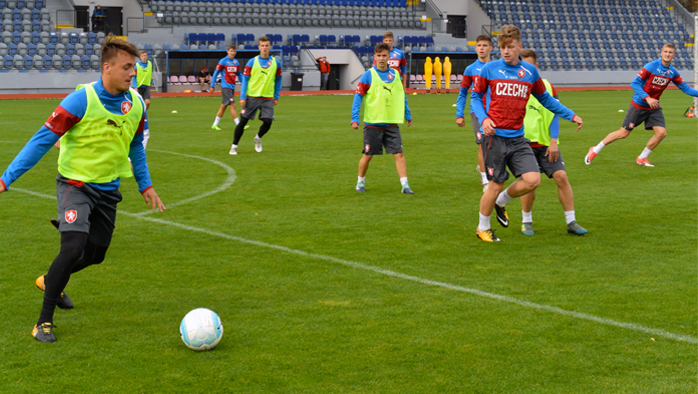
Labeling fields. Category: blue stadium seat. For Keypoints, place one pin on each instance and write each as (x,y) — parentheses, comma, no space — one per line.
(85,62)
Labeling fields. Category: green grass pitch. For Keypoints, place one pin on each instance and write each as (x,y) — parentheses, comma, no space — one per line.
(324,290)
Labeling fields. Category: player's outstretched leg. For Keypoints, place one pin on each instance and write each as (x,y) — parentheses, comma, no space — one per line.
(595,150)
(219,115)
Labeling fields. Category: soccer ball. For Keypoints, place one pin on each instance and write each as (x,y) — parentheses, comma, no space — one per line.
(201,329)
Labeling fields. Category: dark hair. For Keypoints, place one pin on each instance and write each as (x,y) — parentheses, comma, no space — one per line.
(530,53)
(141,52)
(484,37)
(264,38)
(388,34)
(381,47)
(508,34)
(232,46)
(111,48)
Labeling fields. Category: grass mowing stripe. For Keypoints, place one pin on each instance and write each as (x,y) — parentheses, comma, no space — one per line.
(353,264)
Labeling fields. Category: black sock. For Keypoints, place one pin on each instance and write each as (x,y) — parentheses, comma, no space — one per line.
(239,129)
(94,254)
(266,125)
(72,247)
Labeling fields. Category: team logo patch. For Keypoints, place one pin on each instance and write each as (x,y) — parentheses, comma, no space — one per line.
(390,76)
(479,135)
(71,215)
(242,112)
(367,147)
(490,171)
(522,73)
(631,126)
(125,107)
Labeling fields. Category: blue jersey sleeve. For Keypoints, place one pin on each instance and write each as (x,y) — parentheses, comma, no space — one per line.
(554,106)
(277,82)
(138,158)
(555,127)
(460,103)
(686,88)
(364,84)
(638,85)
(32,152)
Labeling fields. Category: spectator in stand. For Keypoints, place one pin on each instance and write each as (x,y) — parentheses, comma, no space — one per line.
(324,72)
(98,19)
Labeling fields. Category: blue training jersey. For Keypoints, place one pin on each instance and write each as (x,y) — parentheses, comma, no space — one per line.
(469,75)
(70,111)
(653,79)
(230,70)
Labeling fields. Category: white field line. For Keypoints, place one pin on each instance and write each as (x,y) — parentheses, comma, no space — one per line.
(353,264)
(229,181)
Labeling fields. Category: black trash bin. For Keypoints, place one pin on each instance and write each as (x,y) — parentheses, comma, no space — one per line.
(297,82)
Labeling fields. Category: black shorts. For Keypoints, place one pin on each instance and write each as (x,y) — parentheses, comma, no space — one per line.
(144,91)
(476,128)
(375,138)
(548,167)
(228,96)
(87,210)
(635,116)
(265,107)
(500,153)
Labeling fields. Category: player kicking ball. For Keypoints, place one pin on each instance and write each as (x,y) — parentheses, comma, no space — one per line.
(542,127)
(509,82)
(386,106)
(102,127)
(649,84)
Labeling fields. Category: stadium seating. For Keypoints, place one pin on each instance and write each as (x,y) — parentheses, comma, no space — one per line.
(332,13)
(596,35)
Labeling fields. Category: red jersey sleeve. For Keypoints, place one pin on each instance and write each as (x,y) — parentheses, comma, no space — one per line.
(362,88)
(466,82)
(61,121)
(248,71)
(141,125)
(677,80)
(219,67)
(538,87)
(480,85)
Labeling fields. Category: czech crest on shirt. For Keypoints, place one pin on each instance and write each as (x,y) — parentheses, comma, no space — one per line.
(71,215)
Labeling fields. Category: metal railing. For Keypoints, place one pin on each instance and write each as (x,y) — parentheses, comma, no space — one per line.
(65,17)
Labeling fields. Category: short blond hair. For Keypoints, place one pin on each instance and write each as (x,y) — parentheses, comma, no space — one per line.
(508,34)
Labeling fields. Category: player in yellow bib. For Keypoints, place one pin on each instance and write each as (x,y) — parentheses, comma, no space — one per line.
(260,90)
(144,77)
(386,106)
(542,127)
(102,128)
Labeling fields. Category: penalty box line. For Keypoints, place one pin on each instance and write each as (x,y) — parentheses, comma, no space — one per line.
(394,274)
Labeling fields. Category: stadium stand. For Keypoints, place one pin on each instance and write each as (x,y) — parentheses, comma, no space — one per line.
(594,35)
